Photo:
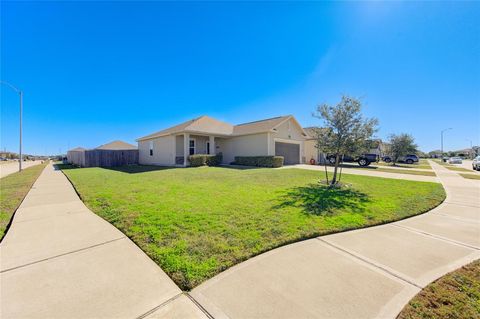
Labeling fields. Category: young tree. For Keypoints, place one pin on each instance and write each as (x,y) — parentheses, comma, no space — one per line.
(401,145)
(344,131)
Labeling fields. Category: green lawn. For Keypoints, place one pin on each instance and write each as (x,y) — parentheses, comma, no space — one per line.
(196,222)
(388,170)
(471,176)
(13,189)
(423,164)
(455,295)
(458,169)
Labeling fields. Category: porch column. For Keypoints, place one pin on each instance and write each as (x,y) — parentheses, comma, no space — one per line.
(186,146)
(212,145)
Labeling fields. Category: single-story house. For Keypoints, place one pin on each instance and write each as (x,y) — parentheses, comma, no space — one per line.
(116,153)
(282,136)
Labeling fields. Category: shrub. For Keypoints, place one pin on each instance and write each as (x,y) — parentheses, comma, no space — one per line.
(205,159)
(260,161)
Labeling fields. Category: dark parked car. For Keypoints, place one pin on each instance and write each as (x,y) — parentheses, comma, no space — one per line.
(409,159)
(362,160)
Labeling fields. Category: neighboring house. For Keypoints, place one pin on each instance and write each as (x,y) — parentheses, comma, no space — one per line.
(116,153)
(281,136)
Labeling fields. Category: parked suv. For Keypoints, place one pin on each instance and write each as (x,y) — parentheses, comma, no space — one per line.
(409,159)
(476,163)
(362,160)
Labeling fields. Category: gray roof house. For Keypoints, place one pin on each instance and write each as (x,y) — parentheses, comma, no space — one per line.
(280,135)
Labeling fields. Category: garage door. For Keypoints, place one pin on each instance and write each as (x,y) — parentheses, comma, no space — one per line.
(289,151)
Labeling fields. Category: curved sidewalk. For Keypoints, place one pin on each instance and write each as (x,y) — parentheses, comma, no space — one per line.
(368,273)
(60,260)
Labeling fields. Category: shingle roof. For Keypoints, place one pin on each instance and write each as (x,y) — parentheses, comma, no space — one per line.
(208,125)
(116,145)
(259,126)
(203,124)
(77,149)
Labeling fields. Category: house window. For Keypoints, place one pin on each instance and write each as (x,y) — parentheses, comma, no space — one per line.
(151,148)
(191,147)
(208,147)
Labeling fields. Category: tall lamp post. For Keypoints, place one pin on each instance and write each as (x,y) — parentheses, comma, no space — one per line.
(442,137)
(20,93)
(471,149)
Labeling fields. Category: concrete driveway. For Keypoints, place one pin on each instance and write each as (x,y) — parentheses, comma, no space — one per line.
(467,164)
(12,167)
(369,273)
(60,260)
(369,172)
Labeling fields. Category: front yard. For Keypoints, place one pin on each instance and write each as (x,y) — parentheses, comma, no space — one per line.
(196,222)
(422,164)
(455,295)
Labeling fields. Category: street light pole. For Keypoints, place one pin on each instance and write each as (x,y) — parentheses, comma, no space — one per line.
(20,93)
(471,148)
(442,137)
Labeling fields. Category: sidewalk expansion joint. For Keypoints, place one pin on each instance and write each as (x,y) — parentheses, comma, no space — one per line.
(149,312)
(61,255)
(359,257)
(451,241)
(461,219)
(163,304)
(209,315)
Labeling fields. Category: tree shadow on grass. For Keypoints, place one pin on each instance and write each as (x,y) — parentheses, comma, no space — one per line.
(320,200)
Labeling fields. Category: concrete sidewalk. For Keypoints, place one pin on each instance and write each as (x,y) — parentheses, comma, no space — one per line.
(60,260)
(10,168)
(369,273)
(369,172)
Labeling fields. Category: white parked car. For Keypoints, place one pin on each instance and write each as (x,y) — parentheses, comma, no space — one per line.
(476,163)
(454,160)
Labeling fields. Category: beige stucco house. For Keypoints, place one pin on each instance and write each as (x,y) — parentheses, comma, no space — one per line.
(281,136)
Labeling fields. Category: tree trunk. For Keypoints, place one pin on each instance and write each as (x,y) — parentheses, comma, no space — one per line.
(334,178)
(326,171)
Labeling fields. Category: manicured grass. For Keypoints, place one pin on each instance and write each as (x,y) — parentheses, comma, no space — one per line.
(13,189)
(196,222)
(455,295)
(421,165)
(458,169)
(471,176)
(389,170)
(410,171)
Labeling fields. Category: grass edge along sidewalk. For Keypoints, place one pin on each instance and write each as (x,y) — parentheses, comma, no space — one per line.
(197,222)
(455,295)
(470,176)
(13,189)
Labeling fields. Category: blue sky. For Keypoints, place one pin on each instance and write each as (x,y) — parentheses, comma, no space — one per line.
(93,72)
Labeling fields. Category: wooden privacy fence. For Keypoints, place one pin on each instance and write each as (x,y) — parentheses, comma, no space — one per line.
(105,158)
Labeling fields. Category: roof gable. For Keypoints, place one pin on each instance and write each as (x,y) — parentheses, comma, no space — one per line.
(259,126)
(117,145)
(208,125)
